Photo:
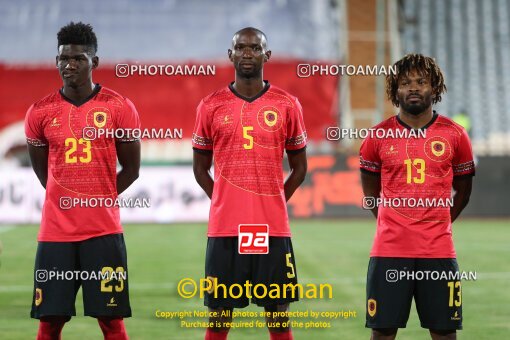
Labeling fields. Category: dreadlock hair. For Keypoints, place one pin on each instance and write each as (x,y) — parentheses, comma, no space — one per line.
(78,34)
(425,66)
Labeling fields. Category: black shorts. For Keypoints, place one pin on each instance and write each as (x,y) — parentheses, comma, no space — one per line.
(393,282)
(224,263)
(98,265)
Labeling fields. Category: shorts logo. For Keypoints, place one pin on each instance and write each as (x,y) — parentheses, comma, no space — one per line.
(455,316)
(253,239)
(99,119)
(371,307)
(212,284)
(38,296)
(112,303)
(437,148)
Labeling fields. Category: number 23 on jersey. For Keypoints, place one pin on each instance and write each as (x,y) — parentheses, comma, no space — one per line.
(77,150)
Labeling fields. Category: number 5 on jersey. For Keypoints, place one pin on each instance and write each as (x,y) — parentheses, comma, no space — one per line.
(249,145)
(292,272)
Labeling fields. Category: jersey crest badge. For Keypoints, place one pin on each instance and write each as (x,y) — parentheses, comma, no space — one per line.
(269,118)
(437,148)
(99,119)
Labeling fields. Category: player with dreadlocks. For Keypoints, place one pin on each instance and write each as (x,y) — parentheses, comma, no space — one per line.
(413,253)
(81,245)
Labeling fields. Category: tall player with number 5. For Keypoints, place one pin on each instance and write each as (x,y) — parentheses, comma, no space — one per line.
(246,127)
(419,238)
(72,164)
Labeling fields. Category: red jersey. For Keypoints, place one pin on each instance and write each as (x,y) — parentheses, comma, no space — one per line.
(79,167)
(248,137)
(420,168)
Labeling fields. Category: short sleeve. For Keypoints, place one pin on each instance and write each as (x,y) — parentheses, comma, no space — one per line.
(202,135)
(296,132)
(33,128)
(369,159)
(128,120)
(463,163)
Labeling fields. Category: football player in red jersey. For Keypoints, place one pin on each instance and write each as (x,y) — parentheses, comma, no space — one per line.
(72,167)
(416,238)
(247,126)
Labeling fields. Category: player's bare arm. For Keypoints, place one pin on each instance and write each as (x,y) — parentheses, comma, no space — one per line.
(202,162)
(247,147)
(298,166)
(73,167)
(462,186)
(39,160)
(128,154)
(371,184)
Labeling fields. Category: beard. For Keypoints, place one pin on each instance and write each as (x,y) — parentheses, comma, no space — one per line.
(416,108)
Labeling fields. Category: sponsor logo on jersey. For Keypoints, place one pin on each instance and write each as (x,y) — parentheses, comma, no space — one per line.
(392,151)
(55,122)
(227,119)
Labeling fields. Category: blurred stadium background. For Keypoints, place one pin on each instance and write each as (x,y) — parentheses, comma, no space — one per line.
(470,39)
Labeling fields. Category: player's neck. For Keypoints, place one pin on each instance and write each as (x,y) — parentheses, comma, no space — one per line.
(80,92)
(249,87)
(416,121)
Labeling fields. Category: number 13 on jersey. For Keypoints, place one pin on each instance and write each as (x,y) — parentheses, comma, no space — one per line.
(418,176)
